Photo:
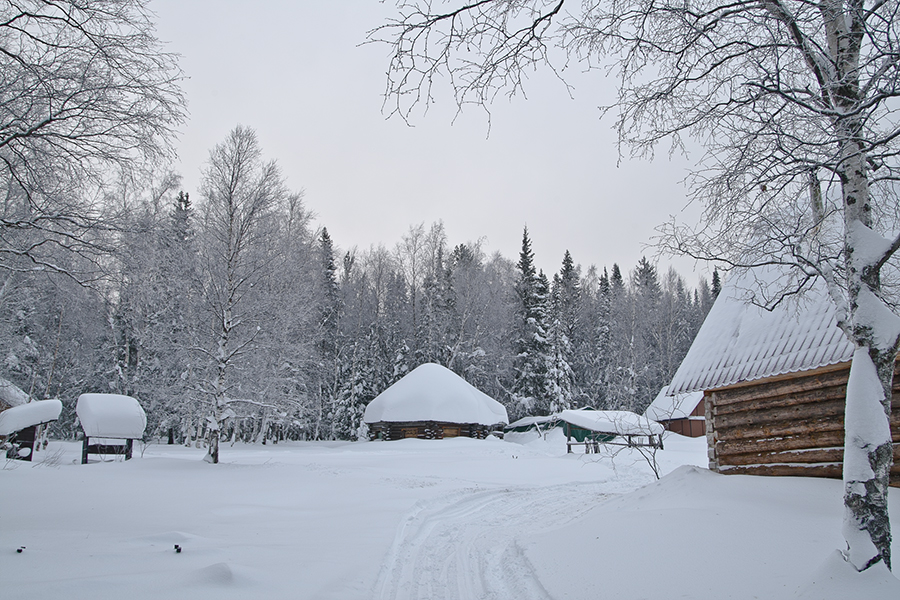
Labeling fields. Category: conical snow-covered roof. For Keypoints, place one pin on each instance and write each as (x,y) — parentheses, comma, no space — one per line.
(431,392)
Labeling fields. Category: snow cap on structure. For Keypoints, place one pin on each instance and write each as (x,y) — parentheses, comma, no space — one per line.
(680,406)
(431,392)
(619,422)
(740,341)
(12,394)
(20,417)
(111,416)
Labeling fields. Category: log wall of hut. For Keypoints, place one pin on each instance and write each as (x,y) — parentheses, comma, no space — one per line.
(787,425)
(426,430)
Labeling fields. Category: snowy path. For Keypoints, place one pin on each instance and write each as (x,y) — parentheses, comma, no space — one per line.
(466,545)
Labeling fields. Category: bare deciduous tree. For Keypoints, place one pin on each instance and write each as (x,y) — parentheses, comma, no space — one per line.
(85,90)
(794,103)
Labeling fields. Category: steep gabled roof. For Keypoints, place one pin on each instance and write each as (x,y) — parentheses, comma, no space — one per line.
(743,342)
(431,392)
(666,407)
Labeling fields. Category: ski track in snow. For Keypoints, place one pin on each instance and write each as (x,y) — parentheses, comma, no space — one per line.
(465,545)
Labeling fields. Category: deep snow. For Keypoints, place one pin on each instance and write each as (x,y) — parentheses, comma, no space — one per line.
(454,518)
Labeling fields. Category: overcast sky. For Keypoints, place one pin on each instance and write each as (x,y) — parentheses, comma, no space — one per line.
(296,73)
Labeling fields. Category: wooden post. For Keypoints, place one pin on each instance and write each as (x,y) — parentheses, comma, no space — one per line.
(709,410)
(129,446)
(84,450)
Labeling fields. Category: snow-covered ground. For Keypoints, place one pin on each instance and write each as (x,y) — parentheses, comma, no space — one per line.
(455,518)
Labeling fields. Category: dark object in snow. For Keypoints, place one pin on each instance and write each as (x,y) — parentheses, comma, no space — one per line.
(20,549)
(177,549)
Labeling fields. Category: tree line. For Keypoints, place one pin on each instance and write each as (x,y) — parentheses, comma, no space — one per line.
(231,317)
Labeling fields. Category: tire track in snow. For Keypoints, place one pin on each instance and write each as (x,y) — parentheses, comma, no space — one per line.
(464,546)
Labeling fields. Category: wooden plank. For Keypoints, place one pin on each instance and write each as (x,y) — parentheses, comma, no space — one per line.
(784,400)
(815,455)
(781,429)
(828,471)
(807,426)
(799,412)
(831,471)
(816,439)
(791,383)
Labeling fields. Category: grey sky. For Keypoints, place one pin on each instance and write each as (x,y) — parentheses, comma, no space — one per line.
(295,72)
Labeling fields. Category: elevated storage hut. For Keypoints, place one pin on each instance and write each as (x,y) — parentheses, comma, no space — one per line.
(433,402)
(19,425)
(109,419)
(590,428)
(774,385)
(684,414)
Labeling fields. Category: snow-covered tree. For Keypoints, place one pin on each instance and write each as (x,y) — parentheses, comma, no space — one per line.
(240,193)
(531,390)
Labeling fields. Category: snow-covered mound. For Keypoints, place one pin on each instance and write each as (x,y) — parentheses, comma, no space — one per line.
(19,417)
(111,416)
(431,392)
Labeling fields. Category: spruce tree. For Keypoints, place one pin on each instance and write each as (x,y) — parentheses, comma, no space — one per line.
(563,331)
(531,390)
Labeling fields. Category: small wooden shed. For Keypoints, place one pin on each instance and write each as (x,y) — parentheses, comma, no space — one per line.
(433,402)
(684,414)
(774,386)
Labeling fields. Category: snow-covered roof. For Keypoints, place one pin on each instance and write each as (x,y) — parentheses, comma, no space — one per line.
(19,417)
(11,393)
(680,406)
(527,421)
(619,422)
(740,341)
(111,416)
(431,392)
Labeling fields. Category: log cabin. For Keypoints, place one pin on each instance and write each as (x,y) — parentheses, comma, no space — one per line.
(774,386)
(432,402)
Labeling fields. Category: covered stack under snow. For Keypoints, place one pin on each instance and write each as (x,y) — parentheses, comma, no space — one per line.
(111,416)
(27,415)
(433,402)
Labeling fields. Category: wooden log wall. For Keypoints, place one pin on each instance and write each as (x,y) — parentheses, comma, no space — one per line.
(426,430)
(787,425)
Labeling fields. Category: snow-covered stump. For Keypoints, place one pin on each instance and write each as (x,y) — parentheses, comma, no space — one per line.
(109,417)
